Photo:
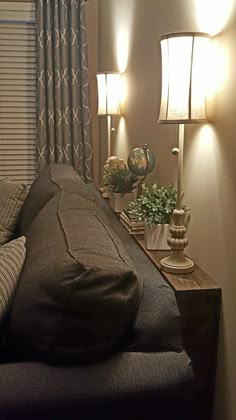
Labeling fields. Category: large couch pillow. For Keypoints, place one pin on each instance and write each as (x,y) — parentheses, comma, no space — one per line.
(78,291)
(50,181)
(12,258)
(12,196)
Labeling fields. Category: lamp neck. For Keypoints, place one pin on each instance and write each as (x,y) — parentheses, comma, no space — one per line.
(180,166)
(108,135)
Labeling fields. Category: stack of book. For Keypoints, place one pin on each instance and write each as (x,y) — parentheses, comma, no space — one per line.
(131,222)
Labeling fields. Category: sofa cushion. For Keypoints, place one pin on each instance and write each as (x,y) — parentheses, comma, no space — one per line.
(127,386)
(157,326)
(12,257)
(78,292)
(49,182)
(12,196)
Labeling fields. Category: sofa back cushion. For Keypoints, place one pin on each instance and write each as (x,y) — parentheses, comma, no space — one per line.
(49,182)
(79,291)
(12,196)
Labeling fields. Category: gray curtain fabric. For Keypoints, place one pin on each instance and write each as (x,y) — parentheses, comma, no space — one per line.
(64,119)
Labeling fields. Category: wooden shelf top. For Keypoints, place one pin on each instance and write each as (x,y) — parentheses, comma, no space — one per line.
(197,280)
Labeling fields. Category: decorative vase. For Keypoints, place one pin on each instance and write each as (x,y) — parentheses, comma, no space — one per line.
(120,202)
(155,237)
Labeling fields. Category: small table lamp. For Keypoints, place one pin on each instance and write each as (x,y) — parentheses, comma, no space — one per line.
(108,99)
(182,102)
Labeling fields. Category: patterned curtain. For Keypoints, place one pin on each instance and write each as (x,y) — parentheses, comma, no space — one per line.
(64,119)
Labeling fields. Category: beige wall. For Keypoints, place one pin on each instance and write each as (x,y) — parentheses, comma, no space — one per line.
(210,149)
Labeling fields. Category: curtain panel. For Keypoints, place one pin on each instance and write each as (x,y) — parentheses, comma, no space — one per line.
(64,118)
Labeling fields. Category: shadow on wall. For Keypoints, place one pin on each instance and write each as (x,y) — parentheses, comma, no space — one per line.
(221,393)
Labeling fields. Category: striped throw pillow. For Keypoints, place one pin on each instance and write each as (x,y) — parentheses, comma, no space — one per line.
(12,257)
(12,197)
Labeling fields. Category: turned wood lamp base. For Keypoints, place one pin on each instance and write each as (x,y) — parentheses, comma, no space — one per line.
(177,264)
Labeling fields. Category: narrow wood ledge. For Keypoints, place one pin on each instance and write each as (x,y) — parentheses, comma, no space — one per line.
(199,298)
(197,280)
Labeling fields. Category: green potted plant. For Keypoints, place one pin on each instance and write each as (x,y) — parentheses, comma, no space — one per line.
(120,182)
(154,207)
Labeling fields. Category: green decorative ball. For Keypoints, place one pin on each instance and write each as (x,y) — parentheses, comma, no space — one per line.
(141,161)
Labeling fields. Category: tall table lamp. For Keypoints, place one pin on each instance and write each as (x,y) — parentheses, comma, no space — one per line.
(182,102)
(108,84)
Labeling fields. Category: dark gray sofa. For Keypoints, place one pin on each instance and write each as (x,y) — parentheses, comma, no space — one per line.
(147,375)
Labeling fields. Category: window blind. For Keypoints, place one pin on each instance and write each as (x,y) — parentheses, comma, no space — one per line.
(17,91)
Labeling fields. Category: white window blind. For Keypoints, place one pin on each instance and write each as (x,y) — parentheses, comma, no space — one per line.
(17,91)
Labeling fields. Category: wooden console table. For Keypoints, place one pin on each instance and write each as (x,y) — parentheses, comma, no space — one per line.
(198,297)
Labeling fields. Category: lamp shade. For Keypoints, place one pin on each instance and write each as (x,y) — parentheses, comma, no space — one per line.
(108,93)
(184,57)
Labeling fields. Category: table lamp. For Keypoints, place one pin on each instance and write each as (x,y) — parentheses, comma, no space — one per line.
(108,100)
(182,102)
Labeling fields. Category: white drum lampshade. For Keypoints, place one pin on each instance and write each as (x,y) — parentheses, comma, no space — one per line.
(183,77)
(108,93)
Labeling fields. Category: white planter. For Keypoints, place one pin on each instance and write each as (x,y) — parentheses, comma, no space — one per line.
(119,203)
(155,237)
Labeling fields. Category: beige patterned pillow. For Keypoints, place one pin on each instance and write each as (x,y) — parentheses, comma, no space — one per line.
(12,197)
(12,258)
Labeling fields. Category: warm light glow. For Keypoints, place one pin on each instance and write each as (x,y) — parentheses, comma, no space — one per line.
(218,68)
(123,92)
(109,91)
(122,146)
(213,15)
(183,77)
(201,158)
(206,136)
(122,50)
